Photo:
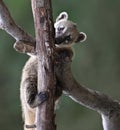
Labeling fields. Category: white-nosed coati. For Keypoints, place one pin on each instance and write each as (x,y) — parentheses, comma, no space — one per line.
(66,34)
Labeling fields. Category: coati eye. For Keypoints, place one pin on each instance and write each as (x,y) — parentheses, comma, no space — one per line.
(60,29)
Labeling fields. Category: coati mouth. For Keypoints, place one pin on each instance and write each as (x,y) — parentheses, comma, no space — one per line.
(63,39)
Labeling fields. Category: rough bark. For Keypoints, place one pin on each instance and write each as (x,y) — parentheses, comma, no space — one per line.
(44,47)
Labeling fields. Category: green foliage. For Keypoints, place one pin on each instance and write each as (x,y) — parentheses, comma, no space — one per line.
(96,63)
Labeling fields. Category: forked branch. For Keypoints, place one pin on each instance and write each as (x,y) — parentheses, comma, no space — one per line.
(24,42)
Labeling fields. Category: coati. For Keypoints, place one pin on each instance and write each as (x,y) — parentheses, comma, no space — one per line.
(66,34)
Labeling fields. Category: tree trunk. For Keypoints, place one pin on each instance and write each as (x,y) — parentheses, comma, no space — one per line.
(42,13)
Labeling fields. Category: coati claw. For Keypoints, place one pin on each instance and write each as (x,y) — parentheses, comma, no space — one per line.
(43,96)
(30,126)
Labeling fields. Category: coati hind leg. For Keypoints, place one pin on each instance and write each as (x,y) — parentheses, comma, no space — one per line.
(31,100)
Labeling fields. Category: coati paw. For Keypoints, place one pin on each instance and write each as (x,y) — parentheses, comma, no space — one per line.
(39,99)
(43,96)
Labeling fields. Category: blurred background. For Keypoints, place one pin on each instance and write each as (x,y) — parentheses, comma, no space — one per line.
(96,63)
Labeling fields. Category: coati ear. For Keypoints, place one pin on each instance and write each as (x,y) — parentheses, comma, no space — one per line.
(62,16)
(82,37)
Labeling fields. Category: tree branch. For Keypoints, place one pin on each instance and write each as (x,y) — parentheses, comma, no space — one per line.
(42,12)
(103,104)
(24,42)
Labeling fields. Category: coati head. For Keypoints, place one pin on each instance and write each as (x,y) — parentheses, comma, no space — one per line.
(66,33)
